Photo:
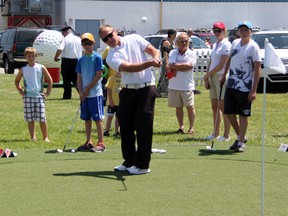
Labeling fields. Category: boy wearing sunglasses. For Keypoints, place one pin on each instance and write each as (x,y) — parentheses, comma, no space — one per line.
(89,76)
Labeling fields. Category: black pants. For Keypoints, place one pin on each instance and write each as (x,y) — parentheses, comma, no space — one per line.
(136,114)
(69,76)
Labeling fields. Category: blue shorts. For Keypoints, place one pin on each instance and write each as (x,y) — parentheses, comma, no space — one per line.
(112,110)
(92,108)
(34,109)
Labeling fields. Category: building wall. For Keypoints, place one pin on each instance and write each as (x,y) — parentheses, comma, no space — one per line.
(127,14)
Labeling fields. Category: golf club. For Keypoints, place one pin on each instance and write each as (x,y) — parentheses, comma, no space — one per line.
(216,120)
(71,128)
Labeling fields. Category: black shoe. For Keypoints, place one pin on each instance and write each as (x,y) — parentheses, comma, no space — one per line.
(240,148)
(106,133)
(234,146)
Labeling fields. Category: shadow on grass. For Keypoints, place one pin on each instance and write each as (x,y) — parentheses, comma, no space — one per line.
(279,136)
(112,175)
(206,152)
(14,140)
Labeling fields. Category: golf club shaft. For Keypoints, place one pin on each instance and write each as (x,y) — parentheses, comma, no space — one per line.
(71,128)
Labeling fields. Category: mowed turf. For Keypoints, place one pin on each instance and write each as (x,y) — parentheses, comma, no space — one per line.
(187,180)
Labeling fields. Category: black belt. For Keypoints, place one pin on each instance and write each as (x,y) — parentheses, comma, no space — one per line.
(138,86)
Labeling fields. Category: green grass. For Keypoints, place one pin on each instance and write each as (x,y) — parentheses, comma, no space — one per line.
(187,180)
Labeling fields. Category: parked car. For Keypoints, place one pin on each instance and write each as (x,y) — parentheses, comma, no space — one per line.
(203,36)
(198,44)
(279,39)
(13,42)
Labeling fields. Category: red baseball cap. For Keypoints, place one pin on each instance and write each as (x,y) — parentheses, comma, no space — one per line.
(219,25)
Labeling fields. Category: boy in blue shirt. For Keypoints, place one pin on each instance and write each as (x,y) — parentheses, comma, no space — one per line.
(89,76)
(32,94)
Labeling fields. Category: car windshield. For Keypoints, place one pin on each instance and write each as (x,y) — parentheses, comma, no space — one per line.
(155,41)
(27,36)
(198,43)
(278,40)
(212,38)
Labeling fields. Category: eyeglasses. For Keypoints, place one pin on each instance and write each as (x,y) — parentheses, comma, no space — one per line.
(87,43)
(105,39)
(217,30)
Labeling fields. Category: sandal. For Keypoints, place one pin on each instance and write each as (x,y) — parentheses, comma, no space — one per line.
(191,132)
(180,131)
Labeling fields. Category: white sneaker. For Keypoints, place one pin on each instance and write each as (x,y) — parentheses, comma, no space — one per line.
(120,168)
(222,138)
(136,171)
(210,137)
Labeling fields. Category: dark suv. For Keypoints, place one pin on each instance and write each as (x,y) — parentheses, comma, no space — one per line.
(12,45)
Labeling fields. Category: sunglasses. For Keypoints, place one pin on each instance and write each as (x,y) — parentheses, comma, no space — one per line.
(87,43)
(105,39)
(217,30)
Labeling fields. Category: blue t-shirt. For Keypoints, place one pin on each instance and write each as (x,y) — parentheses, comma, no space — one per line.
(88,66)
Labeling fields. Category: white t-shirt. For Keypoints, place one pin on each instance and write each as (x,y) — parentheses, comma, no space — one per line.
(71,47)
(130,50)
(218,50)
(241,65)
(183,80)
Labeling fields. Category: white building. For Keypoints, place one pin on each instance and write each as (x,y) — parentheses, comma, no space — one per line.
(87,15)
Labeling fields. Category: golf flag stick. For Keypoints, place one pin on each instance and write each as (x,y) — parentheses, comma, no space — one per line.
(71,128)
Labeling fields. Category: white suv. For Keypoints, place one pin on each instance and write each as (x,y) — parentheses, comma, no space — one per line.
(279,39)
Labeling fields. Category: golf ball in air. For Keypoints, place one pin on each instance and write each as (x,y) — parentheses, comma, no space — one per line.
(46,45)
(144,19)
(72,150)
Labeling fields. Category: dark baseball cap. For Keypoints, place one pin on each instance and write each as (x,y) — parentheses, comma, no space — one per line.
(65,28)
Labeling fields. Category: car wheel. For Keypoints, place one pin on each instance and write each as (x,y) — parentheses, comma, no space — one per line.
(8,67)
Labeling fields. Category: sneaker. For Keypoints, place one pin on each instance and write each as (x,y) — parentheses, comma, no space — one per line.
(47,140)
(100,147)
(222,138)
(240,148)
(106,133)
(120,168)
(136,171)
(210,137)
(85,147)
(234,146)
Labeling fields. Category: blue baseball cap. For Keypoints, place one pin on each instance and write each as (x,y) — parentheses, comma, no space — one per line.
(245,23)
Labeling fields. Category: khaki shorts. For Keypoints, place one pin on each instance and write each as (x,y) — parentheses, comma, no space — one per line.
(179,98)
(215,87)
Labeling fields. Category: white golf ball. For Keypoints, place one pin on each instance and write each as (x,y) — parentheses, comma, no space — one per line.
(46,45)
(73,151)
(144,19)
